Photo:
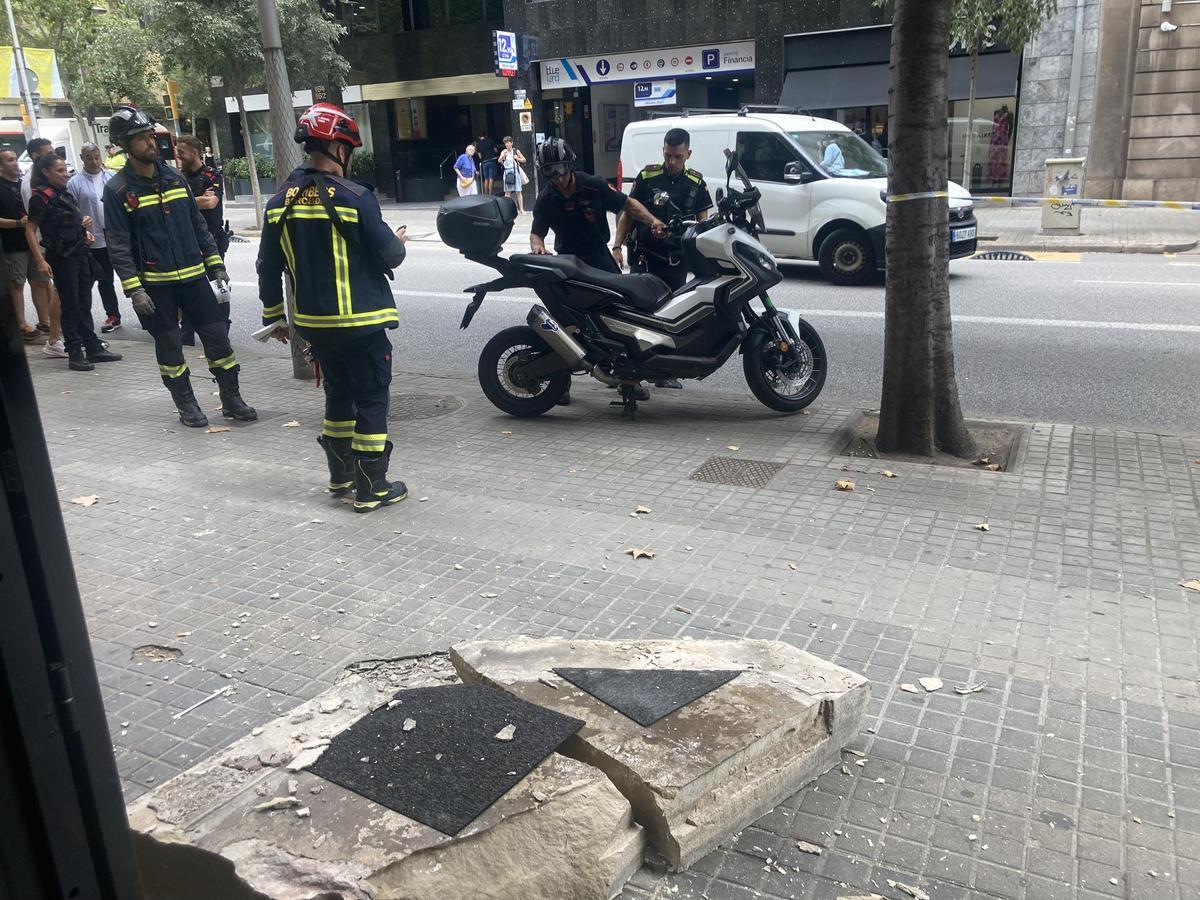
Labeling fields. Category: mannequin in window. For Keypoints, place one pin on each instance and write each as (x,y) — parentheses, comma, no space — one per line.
(1002,125)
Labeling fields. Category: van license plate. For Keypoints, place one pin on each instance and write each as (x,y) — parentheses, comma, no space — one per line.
(961,234)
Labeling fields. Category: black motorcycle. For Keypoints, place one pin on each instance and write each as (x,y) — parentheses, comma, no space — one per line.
(626,329)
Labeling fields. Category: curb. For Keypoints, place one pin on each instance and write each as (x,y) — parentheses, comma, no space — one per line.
(1115,247)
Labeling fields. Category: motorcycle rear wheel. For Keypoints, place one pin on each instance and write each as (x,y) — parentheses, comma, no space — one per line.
(500,355)
(786,389)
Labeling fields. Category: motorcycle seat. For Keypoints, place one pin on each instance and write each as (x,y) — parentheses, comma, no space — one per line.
(644,293)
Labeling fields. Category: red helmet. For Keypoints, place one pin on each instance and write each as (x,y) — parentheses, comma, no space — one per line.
(326,122)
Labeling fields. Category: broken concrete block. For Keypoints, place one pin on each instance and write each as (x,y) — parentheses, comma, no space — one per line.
(216,831)
(705,772)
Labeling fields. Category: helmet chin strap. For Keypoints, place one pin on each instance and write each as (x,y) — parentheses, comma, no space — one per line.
(344,165)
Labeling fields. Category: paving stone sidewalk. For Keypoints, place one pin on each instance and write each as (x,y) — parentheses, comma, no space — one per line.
(1074,773)
(1101,230)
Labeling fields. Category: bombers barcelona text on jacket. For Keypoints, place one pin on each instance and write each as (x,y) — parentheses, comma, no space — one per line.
(328,234)
(154,230)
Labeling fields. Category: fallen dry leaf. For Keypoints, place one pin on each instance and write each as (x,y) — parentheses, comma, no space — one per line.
(217,429)
(89,500)
(277,803)
(915,892)
(506,432)
(931,684)
(970,688)
(733,447)
(644,510)
(909,688)
(291,424)
(639,553)
(993,467)
(792,566)
(888,473)
(843,485)
(983,526)
(1191,585)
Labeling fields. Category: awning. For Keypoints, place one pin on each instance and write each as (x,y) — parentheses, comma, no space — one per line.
(844,87)
(434,87)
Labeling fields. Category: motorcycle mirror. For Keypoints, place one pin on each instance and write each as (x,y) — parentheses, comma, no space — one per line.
(731,161)
(720,195)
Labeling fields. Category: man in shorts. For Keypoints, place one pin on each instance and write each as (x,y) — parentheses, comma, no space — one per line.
(18,266)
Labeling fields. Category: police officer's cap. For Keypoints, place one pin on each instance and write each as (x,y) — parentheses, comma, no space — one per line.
(127,122)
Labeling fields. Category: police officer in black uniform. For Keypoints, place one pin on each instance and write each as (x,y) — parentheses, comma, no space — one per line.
(669,189)
(575,206)
(65,239)
(163,254)
(328,234)
(205,182)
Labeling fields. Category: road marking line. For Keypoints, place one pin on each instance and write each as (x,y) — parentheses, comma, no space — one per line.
(1178,284)
(1004,320)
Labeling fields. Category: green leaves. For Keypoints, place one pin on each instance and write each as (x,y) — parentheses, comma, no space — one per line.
(979,23)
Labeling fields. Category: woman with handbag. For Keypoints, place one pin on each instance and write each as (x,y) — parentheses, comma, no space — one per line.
(464,169)
(514,176)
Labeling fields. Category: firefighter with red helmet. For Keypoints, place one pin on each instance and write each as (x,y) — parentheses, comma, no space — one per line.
(327,233)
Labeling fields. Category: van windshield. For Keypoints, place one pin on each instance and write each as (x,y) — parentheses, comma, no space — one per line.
(842,154)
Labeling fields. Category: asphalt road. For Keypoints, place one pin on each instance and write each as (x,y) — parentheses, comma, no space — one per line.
(1105,340)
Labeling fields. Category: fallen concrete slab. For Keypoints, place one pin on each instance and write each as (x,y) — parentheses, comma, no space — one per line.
(252,823)
(705,772)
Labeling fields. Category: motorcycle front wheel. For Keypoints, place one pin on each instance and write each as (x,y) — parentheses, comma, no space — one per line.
(785,385)
(510,393)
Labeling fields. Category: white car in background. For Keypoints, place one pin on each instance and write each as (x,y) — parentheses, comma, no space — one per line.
(834,214)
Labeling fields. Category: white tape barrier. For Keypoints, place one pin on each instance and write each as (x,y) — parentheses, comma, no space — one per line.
(1078,201)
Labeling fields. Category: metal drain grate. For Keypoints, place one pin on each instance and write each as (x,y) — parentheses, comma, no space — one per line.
(406,407)
(1006,255)
(754,473)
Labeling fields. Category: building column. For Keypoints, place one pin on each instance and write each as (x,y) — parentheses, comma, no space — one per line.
(768,69)
(1109,151)
(525,140)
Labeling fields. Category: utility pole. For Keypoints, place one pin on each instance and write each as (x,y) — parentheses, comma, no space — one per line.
(283,133)
(19,61)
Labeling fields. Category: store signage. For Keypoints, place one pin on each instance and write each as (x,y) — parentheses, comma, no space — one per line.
(526,120)
(580,71)
(519,100)
(655,93)
(505,43)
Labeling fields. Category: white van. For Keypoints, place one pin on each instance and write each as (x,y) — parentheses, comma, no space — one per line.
(822,185)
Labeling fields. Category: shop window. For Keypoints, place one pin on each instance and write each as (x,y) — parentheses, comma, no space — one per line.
(764,155)
(992,139)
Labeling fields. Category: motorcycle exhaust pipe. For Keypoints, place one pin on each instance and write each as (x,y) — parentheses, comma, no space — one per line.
(561,342)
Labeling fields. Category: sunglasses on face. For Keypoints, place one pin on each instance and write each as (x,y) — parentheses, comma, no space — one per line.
(557,170)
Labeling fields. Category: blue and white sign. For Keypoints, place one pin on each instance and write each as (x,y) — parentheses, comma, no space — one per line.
(506,51)
(673,62)
(655,93)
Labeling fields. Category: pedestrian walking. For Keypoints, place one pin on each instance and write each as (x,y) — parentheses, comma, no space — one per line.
(514,177)
(464,168)
(41,289)
(485,152)
(205,183)
(575,206)
(86,188)
(162,252)
(327,232)
(17,259)
(65,236)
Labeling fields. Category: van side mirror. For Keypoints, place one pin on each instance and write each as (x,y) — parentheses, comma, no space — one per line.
(796,173)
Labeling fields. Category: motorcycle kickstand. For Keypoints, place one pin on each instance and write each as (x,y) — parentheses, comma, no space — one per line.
(628,401)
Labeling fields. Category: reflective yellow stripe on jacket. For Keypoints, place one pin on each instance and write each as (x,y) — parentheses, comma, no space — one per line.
(179,193)
(174,274)
(351,320)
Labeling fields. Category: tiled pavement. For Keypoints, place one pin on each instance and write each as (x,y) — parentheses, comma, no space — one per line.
(1077,765)
(1101,230)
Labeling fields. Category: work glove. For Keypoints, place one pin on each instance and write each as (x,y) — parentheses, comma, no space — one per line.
(221,277)
(142,304)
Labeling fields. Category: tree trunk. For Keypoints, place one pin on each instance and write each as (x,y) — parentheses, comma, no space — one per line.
(966,179)
(919,408)
(254,188)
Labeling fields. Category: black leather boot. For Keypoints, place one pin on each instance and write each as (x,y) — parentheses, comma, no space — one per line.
(102,354)
(232,404)
(190,413)
(79,361)
(341,465)
(373,488)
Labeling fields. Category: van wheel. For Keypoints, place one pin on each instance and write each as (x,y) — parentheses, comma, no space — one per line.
(847,257)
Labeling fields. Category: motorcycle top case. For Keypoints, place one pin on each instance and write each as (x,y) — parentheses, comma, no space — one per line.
(476,226)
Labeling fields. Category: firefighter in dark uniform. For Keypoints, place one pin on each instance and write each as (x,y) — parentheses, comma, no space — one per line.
(669,189)
(164,255)
(65,239)
(205,182)
(327,233)
(575,206)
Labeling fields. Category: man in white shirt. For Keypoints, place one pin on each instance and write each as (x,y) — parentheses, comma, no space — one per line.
(87,188)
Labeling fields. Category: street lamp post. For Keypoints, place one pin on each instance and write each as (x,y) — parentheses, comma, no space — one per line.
(19,62)
(283,130)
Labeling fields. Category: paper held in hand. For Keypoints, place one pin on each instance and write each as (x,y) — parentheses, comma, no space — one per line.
(264,334)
